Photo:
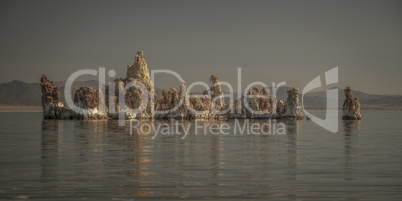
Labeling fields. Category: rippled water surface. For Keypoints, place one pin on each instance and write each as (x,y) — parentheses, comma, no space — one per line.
(99,160)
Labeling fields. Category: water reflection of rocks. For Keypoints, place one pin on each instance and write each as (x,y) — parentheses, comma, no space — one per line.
(93,152)
(351,138)
(87,155)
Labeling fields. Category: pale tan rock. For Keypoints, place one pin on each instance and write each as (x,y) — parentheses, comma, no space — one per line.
(280,108)
(84,98)
(265,101)
(253,102)
(293,108)
(139,72)
(52,106)
(89,102)
(140,69)
(181,94)
(259,104)
(216,93)
(351,106)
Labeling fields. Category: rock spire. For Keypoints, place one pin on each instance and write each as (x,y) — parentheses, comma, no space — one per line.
(351,106)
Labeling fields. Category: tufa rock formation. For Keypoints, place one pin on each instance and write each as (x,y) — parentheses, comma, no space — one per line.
(85,98)
(95,103)
(200,107)
(52,106)
(90,100)
(260,103)
(265,101)
(216,93)
(280,108)
(140,69)
(139,73)
(293,108)
(351,106)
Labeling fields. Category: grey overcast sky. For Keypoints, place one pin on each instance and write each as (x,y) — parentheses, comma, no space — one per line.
(273,41)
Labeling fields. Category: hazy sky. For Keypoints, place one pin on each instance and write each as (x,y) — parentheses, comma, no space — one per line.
(273,41)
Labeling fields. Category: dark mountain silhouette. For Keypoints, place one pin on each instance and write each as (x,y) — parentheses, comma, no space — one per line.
(366,100)
(20,93)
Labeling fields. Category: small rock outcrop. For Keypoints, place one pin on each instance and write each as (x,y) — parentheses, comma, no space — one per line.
(265,100)
(280,108)
(351,106)
(256,104)
(168,101)
(260,101)
(253,96)
(90,100)
(293,108)
(140,69)
(216,93)
(52,106)
(200,106)
(84,98)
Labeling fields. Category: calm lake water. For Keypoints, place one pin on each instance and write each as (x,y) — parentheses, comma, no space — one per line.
(99,160)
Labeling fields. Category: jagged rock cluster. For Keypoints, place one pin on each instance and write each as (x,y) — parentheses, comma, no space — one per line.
(200,107)
(256,104)
(94,104)
(351,106)
(84,98)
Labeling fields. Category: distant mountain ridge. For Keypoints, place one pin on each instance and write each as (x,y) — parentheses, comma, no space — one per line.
(21,93)
(29,94)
